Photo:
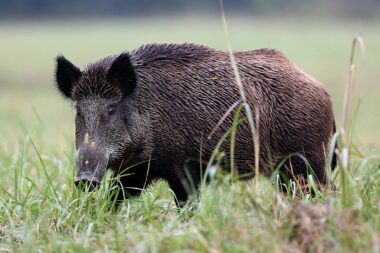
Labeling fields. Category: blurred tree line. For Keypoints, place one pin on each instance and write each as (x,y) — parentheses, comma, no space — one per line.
(62,8)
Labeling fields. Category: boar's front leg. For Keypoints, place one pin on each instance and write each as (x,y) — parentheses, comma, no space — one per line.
(131,184)
(183,180)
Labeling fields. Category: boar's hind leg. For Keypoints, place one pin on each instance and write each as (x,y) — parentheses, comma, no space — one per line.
(183,181)
(297,169)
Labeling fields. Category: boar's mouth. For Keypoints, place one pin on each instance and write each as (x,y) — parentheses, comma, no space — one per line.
(87,182)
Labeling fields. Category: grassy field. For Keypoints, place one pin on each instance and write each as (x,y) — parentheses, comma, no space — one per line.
(40,210)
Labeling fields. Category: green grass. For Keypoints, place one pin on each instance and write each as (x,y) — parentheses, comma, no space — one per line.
(40,210)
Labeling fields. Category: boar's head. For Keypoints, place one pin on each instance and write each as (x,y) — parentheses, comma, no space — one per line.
(109,127)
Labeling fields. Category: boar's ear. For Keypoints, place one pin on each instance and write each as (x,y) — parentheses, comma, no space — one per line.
(66,75)
(122,74)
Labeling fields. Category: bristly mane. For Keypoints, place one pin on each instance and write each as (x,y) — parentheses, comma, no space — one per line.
(95,83)
(156,52)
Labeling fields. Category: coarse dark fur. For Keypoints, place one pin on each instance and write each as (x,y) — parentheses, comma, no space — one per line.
(157,104)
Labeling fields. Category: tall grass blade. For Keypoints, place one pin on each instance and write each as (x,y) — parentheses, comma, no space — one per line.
(240,86)
(346,179)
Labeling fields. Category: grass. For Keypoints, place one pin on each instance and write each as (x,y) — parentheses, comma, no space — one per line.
(40,210)
(37,215)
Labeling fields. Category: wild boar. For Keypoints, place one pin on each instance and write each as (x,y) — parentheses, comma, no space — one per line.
(152,109)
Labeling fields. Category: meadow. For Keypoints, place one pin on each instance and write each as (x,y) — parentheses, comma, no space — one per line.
(40,210)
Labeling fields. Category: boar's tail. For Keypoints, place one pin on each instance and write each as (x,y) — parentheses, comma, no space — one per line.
(334,159)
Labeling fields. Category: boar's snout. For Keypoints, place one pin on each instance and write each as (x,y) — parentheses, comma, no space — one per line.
(84,183)
(91,165)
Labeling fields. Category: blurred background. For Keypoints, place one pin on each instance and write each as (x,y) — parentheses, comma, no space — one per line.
(316,35)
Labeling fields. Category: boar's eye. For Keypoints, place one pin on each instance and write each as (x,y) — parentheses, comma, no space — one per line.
(110,111)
